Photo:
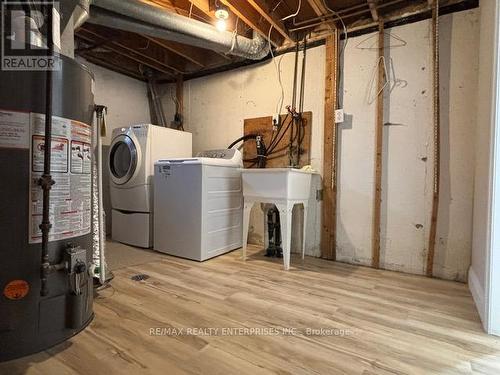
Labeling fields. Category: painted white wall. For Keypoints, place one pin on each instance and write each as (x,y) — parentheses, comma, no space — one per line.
(485,162)
(215,107)
(125,97)
(494,264)
(408,152)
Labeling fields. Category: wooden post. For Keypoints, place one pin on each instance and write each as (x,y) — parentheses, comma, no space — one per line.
(437,139)
(379,134)
(329,225)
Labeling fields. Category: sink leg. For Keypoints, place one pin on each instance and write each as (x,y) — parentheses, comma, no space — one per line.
(247,208)
(304,231)
(286,231)
(265,209)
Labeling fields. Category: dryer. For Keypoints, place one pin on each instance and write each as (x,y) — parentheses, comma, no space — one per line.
(132,154)
(199,205)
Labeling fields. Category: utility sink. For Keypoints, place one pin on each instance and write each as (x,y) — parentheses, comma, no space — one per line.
(276,183)
(283,187)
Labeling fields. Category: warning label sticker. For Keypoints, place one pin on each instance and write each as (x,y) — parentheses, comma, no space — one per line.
(81,159)
(70,197)
(14,129)
(58,157)
(16,290)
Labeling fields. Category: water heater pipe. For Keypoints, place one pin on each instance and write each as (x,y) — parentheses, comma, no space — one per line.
(143,18)
(46,180)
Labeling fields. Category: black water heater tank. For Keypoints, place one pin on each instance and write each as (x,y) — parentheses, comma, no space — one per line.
(30,322)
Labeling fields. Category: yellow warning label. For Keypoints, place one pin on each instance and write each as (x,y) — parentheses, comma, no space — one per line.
(16,290)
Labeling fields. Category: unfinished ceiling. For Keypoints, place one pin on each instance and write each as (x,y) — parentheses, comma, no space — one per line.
(134,54)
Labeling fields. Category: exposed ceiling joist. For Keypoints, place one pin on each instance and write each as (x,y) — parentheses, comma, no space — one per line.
(254,19)
(204,6)
(182,51)
(372,4)
(128,52)
(319,8)
(262,8)
(111,60)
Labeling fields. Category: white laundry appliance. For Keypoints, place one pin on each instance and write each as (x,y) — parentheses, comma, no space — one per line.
(132,155)
(199,205)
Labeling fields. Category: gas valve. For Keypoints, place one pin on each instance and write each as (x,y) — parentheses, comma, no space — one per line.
(80,267)
(76,259)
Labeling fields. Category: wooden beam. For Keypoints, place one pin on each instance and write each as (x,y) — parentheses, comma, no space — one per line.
(128,68)
(252,18)
(437,141)
(204,6)
(263,9)
(319,8)
(137,50)
(379,135)
(372,4)
(123,52)
(329,208)
(182,50)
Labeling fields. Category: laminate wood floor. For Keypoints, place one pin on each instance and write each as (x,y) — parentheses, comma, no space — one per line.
(321,317)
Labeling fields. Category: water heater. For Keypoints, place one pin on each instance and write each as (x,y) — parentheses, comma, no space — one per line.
(29,320)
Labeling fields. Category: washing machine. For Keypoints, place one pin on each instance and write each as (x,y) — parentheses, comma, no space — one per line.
(132,154)
(198,205)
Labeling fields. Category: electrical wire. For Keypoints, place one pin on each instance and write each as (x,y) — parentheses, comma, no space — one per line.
(272,147)
(280,126)
(273,140)
(235,35)
(277,65)
(293,14)
(276,6)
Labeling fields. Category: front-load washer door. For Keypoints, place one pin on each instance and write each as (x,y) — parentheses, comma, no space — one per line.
(123,159)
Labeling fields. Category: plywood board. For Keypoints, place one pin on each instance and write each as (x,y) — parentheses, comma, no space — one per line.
(280,158)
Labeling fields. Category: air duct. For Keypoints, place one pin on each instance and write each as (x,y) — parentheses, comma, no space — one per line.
(142,18)
(81,13)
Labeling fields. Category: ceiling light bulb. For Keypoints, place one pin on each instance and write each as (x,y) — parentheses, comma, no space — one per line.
(222,13)
(221,25)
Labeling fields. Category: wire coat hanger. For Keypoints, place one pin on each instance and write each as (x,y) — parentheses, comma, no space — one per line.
(374,46)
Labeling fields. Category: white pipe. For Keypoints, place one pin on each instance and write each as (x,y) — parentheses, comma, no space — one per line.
(102,242)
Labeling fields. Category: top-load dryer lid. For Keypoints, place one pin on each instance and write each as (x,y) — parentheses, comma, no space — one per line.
(224,157)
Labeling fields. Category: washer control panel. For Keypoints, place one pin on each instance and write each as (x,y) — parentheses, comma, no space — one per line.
(226,154)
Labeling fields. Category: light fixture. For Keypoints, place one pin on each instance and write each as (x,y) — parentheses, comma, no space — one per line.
(222,14)
(221,25)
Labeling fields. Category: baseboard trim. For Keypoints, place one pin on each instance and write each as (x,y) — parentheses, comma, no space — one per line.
(478,296)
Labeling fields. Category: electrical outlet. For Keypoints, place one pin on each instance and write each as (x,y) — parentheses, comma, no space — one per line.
(276,119)
(339,116)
